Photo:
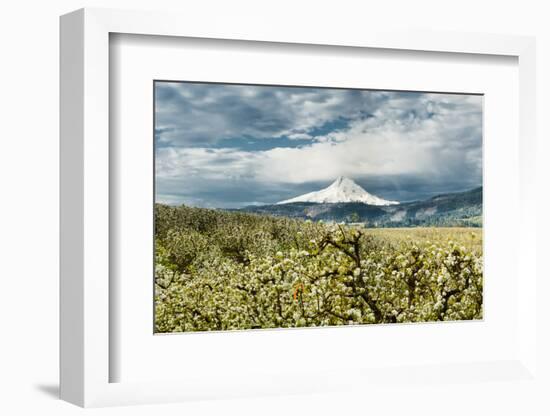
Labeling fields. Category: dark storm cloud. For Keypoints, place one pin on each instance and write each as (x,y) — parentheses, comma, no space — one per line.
(190,114)
(223,193)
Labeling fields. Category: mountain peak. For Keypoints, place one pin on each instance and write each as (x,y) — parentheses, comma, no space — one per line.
(340,180)
(343,189)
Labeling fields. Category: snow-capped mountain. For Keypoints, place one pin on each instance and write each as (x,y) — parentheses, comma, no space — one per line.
(341,190)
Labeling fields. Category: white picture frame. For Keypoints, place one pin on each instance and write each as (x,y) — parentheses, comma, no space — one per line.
(85,210)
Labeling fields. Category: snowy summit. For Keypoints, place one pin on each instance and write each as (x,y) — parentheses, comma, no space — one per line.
(341,190)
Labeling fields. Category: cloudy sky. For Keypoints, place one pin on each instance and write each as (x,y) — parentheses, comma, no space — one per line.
(220,145)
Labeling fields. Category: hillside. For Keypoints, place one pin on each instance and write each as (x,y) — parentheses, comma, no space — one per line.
(448,210)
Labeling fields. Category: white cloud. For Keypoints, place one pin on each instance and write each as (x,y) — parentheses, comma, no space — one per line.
(389,144)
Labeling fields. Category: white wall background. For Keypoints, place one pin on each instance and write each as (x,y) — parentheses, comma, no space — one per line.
(29,56)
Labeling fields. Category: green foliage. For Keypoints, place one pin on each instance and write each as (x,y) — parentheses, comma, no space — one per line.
(354,217)
(219,270)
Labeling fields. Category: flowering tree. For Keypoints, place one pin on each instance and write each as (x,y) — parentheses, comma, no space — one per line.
(221,271)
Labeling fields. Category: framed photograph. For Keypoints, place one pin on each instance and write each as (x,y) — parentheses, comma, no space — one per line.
(236,249)
(273,212)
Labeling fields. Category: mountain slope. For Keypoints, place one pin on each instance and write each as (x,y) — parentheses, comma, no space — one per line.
(445,210)
(341,190)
